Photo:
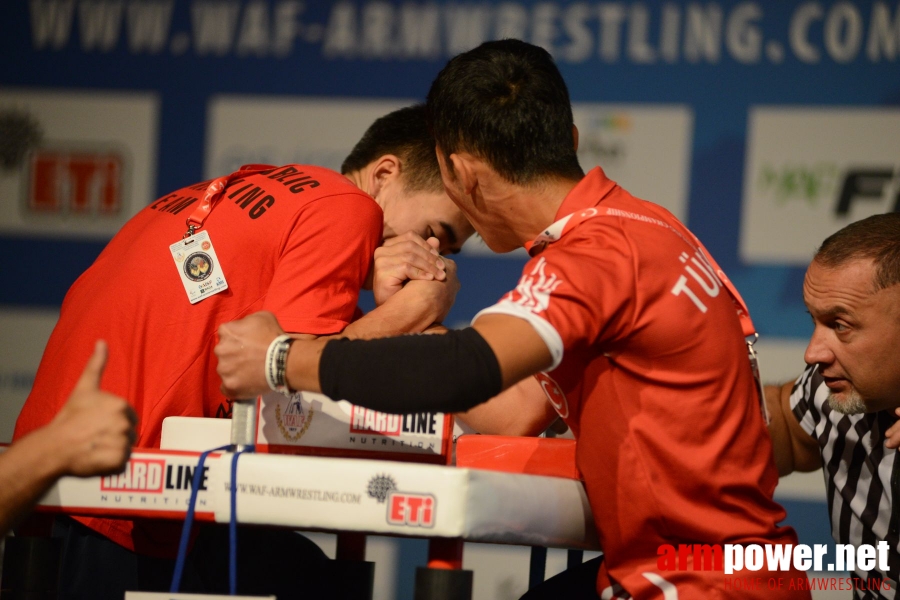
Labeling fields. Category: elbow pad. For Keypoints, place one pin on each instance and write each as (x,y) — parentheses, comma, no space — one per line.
(450,372)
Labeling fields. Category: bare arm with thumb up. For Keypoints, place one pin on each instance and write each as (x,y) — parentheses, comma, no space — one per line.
(92,435)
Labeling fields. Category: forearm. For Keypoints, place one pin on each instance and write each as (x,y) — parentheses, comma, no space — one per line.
(778,430)
(411,373)
(404,312)
(794,448)
(521,410)
(28,469)
(414,373)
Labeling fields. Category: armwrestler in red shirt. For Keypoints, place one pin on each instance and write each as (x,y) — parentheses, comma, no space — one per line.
(296,240)
(635,334)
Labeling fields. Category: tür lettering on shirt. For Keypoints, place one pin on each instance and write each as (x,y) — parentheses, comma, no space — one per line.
(296,181)
(173,203)
(702,276)
(181,477)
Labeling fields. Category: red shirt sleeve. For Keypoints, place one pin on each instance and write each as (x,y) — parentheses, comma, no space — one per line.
(324,263)
(577,292)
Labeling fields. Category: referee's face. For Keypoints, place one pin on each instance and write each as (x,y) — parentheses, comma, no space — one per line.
(856,335)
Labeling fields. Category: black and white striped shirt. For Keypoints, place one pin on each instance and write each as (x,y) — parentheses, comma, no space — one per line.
(860,474)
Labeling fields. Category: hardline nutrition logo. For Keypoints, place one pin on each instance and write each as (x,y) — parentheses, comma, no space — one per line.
(743,561)
(365,420)
(140,475)
(154,484)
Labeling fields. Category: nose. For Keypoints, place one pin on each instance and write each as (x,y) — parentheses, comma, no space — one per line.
(817,351)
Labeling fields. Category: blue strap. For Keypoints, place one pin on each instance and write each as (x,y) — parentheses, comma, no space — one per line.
(232,524)
(189,520)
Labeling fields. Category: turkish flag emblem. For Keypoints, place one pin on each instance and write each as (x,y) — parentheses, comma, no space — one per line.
(554,394)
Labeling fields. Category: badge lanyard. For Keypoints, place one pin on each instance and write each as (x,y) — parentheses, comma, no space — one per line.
(214,193)
(195,257)
(569,222)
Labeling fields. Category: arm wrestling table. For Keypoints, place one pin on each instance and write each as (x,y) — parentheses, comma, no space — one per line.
(351,497)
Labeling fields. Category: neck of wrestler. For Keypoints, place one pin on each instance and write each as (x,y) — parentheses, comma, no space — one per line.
(359,178)
(364,180)
(506,214)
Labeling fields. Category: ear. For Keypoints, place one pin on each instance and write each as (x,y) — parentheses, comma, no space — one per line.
(384,170)
(575,136)
(464,167)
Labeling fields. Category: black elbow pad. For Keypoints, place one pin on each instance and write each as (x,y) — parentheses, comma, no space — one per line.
(450,372)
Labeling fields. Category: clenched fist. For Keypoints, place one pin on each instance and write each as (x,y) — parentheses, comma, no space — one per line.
(242,351)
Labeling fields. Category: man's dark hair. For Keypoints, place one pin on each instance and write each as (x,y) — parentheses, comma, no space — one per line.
(876,238)
(506,103)
(403,133)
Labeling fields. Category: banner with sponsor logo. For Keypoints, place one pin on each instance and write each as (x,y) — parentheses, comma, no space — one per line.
(678,100)
(77,164)
(310,492)
(310,423)
(386,497)
(822,168)
(154,484)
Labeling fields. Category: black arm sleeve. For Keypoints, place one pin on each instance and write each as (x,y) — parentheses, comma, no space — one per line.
(450,372)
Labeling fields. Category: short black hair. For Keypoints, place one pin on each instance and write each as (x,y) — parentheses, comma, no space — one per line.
(876,238)
(403,133)
(506,103)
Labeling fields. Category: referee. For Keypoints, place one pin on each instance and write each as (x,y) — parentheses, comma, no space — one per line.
(839,413)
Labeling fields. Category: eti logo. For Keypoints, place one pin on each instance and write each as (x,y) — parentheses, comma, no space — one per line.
(75,182)
(413,510)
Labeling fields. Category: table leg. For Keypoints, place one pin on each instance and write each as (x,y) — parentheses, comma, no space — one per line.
(574,558)
(444,578)
(537,567)
(351,546)
(354,578)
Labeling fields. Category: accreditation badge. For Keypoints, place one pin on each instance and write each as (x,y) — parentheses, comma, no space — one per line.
(198,266)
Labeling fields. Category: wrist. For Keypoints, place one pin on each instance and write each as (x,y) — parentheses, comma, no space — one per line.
(276,364)
(416,310)
(48,453)
(303,365)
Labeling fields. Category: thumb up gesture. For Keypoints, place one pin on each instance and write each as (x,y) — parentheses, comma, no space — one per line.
(95,429)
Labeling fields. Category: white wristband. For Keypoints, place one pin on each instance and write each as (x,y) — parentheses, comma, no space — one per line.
(276,364)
